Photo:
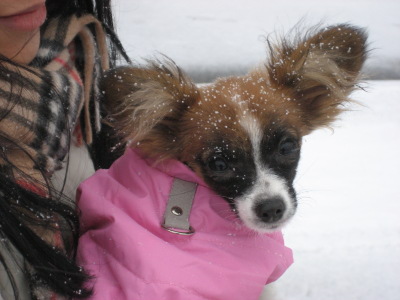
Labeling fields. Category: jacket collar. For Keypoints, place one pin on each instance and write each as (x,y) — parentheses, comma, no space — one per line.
(172,167)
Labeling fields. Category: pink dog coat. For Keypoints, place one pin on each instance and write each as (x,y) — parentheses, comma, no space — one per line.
(132,257)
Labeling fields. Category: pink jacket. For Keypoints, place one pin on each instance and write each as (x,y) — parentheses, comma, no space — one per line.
(133,257)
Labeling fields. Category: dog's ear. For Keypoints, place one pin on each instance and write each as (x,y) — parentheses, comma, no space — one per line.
(145,104)
(320,70)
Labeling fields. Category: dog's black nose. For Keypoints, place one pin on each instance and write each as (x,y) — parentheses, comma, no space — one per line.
(270,210)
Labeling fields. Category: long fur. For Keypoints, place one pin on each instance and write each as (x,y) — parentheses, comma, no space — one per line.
(242,135)
(145,112)
(317,71)
(320,69)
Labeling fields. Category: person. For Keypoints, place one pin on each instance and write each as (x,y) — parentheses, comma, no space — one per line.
(52,54)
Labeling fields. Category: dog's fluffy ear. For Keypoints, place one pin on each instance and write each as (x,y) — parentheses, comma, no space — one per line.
(145,103)
(320,70)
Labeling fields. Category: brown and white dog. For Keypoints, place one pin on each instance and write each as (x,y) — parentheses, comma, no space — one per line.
(242,135)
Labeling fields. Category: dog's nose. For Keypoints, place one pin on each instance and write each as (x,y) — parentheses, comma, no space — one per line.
(270,210)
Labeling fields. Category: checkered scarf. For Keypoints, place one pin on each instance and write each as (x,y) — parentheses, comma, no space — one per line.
(41,109)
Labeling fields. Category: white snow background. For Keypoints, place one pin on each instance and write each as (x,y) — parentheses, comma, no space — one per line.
(346,234)
(220,37)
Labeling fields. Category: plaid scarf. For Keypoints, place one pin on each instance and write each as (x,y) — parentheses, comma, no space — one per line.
(40,110)
(41,103)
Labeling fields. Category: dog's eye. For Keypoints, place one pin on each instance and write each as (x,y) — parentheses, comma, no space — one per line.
(218,163)
(288,146)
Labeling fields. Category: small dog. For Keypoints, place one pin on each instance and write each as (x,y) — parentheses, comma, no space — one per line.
(239,136)
(242,135)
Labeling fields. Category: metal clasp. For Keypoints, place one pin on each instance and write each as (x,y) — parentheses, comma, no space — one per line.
(177,212)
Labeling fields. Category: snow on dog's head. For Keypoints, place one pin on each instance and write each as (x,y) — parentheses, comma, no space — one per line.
(242,135)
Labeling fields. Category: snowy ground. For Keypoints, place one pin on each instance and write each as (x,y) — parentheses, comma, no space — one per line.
(218,37)
(346,235)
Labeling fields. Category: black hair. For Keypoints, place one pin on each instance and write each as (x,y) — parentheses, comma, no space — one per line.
(22,210)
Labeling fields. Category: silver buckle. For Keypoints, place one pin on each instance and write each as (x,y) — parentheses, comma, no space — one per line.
(177,212)
(172,230)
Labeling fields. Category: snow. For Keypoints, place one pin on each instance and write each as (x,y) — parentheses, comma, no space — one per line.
(219,37)
(346,233)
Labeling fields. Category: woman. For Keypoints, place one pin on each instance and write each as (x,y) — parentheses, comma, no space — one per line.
(51,56)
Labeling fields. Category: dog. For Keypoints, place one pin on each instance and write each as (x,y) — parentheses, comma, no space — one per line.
(236,144)
(242,135)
